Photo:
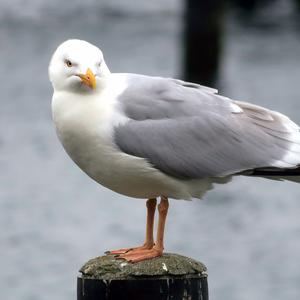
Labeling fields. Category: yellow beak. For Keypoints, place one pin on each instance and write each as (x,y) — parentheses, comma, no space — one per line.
(88,79)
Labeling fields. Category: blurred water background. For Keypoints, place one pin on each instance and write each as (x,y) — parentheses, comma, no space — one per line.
(53,218)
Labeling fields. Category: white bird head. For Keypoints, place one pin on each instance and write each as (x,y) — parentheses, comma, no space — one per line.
(77,65)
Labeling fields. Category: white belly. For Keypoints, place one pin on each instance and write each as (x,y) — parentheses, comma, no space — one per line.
(85,129)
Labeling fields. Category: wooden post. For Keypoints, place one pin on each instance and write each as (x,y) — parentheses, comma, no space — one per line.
(247,5)
(171,276)
(298,4)
(202,40)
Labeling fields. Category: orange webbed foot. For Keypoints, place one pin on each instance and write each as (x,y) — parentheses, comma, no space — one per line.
(140,255)
(126,250)
(118,251)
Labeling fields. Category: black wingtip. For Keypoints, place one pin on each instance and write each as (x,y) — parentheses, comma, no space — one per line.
(276,172)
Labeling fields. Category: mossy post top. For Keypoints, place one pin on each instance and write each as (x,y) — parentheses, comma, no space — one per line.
(169,265)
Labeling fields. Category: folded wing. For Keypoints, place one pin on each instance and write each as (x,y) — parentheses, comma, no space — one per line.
(188,131)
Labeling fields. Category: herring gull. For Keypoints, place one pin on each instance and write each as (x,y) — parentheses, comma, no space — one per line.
(149,137)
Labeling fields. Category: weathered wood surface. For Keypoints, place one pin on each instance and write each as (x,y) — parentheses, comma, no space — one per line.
(171,276)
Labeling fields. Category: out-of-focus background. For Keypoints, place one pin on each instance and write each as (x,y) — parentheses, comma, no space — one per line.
(53,218)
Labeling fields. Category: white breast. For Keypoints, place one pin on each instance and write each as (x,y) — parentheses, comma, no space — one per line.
(85,127)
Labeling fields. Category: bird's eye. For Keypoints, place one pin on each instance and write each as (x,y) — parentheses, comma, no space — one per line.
(99,64)
(68,63)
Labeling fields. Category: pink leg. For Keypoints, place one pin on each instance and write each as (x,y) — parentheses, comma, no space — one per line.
(149,241)
(157,249)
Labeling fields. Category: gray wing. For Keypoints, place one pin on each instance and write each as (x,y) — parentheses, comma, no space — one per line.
(188,131)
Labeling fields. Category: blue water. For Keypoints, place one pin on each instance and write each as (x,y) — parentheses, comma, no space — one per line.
(53,218)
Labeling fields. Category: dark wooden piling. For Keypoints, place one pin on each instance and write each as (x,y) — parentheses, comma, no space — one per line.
(297,3)
(202,40)
(171,276)
(247,5)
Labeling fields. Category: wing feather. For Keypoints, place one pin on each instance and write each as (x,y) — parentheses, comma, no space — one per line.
(188,131)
